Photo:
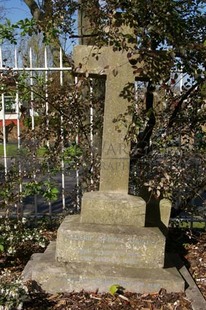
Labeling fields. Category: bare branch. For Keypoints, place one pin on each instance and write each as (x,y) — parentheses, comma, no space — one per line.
(180,102)
(36,12)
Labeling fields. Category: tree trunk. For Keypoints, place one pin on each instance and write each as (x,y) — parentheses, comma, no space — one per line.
(43,16)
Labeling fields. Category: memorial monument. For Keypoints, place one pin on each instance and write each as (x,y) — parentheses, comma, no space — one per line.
(108,242)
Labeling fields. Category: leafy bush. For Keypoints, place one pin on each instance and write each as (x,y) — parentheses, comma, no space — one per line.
(18,240)
(12,293)
(15,233)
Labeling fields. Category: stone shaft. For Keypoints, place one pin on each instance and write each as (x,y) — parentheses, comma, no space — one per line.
(115,159)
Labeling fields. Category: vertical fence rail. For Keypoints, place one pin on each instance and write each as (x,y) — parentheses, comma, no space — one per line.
(33,123)
(91,120)
(19,206)
(47,117)
(31,89)
(3,123)
(62,136)
(77,170)
(4,135)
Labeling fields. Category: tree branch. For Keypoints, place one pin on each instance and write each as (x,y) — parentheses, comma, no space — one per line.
(42,15)
(180,102)
(36,12)
(48,8)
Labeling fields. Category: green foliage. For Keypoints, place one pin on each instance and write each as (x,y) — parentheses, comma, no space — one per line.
(19,239)
(15,233)
(7,32)
(12,293)
(28,121)
(203,90)
(32,188)
(72,154)
(50,33)
(27,26)
(60,22)
(9,188)
(116,289)
(1,244)
(44,188)
(50,193)
(73,151)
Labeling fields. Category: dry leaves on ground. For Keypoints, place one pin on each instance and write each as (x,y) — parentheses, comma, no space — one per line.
(196,258)
(96,301)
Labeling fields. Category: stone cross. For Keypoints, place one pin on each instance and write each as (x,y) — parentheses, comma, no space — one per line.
(115,159)
(85,28)
(112,204)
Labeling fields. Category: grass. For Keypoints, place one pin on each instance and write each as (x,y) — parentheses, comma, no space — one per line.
(41,151)
(192,225)
(195,225)
(12,150)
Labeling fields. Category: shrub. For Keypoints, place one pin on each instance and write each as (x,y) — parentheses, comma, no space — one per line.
(15,233)
(12,293)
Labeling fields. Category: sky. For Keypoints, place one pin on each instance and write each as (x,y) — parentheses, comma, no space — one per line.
(16,10)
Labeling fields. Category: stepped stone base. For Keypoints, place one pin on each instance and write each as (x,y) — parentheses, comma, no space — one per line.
(94,256)
(66,277)
(109,244)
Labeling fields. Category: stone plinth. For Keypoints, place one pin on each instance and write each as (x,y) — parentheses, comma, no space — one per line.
(113,208)
(66,277)
(105,244)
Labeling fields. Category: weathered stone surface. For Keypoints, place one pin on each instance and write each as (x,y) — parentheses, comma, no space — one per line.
(157,211)
(165,206)
(117,244)
(58,277)
(113,209)
(115,159)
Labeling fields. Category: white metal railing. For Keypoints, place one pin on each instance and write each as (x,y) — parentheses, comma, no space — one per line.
(16,117)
